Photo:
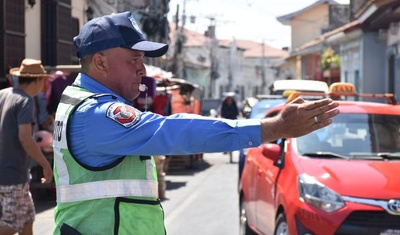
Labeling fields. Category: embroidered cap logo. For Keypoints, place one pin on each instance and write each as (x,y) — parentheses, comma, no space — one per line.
(134,24)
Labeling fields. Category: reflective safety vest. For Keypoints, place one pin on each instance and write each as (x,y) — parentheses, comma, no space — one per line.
(121,198)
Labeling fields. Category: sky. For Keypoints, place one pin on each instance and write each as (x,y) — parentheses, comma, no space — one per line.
(253,20)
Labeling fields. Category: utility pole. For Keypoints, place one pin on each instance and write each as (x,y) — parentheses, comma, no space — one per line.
(174,67)
(177,66)
(213,60)
(232,66)
(263,79)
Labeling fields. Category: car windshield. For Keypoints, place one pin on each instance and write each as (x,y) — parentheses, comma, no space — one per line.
(375,136)
(261,107)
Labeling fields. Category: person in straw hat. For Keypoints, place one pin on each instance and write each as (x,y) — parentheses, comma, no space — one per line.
(17,145)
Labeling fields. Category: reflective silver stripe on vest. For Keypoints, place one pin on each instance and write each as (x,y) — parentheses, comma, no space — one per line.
(107,189)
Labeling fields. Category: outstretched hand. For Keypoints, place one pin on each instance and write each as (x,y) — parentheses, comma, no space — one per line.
(298,118)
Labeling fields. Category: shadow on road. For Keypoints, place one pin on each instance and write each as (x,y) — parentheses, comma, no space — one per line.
(174,185)
(44,199)
(199,165)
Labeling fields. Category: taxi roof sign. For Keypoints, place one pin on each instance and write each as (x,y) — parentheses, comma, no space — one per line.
(342,89)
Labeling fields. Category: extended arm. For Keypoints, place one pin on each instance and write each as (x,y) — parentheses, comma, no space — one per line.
(29,145)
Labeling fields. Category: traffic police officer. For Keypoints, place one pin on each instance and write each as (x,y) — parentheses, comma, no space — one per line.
(106,180)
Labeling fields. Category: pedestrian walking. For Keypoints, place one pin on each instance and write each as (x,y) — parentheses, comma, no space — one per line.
(229,108)
(105,175)
(17,146)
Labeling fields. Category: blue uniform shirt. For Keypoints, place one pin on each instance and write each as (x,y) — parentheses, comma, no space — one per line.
(98,138)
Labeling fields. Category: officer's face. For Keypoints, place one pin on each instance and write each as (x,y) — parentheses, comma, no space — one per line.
(125,69)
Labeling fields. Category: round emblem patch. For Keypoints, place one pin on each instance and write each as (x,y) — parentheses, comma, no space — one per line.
(123,114)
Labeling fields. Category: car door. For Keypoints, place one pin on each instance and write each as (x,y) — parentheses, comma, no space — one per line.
(267,174)
(249,179)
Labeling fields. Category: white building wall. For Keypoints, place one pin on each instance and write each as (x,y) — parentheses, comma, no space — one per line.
(33,25)
(223,83)
(78,11)
(32,31)
(236,72)
(251,77)
(243,80)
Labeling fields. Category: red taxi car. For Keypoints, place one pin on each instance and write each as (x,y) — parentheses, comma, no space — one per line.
(342,179)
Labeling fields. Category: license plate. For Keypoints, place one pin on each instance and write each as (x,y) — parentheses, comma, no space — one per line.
(390,232)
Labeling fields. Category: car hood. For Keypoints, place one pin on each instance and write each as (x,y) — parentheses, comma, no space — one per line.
(357,178)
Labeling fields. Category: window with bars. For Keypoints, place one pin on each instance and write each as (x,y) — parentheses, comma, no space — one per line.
(12,39)
(58,28)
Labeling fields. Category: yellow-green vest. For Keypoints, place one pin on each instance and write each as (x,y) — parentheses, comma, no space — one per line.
(121,198)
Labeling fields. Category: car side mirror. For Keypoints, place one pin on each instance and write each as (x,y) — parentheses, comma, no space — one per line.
(271,151)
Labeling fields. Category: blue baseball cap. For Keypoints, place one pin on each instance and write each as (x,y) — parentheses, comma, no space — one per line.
(115,30)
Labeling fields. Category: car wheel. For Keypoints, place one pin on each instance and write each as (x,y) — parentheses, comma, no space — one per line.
(281,227)
(244,228)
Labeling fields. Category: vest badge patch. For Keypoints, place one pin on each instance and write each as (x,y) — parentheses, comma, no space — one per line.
(123,114)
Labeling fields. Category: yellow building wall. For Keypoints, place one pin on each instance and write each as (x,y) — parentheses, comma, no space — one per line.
(307,26)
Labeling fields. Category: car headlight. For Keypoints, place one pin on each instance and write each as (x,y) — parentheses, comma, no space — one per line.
(317,194)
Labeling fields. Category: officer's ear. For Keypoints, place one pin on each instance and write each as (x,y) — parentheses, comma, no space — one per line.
(99,61)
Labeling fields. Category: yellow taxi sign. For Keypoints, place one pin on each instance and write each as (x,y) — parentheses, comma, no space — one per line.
(343,88)
(292,95)
(287,93)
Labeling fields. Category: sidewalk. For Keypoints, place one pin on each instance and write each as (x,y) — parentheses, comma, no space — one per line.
(44,222)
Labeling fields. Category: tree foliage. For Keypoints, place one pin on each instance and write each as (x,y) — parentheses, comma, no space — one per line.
(330,60)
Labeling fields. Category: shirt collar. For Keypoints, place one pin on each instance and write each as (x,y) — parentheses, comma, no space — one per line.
(84,81)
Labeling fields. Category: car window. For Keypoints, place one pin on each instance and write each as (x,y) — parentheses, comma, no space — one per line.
(355,134)
(263,106)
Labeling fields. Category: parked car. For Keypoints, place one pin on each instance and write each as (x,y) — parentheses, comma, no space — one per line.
(261,107)
(210,107)
(247,106)
(342,179)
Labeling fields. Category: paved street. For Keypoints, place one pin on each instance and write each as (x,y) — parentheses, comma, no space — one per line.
(199,201)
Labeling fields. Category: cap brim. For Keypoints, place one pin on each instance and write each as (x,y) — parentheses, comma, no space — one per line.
(151,49)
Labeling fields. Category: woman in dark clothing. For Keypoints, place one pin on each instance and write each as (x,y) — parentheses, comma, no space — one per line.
(229,108)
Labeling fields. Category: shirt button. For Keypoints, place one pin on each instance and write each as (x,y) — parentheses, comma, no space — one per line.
(250,143)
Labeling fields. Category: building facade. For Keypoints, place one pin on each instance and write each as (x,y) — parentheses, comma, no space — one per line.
(44,29)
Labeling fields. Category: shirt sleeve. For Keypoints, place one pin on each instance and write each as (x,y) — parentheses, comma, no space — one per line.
(25,113)
(100,133)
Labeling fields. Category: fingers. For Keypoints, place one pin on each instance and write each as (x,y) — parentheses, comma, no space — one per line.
(316,109)
(47,176)
(47,180)
(313,115)
(298,118)
(322,115)
(325,116)
(323,120)
(318,104)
